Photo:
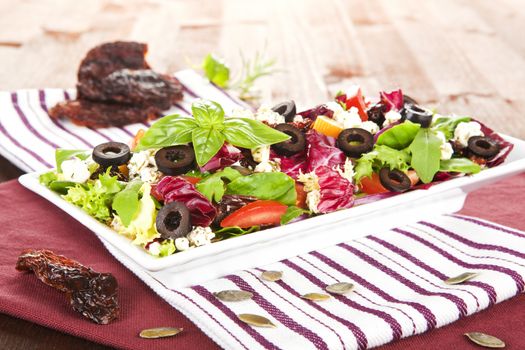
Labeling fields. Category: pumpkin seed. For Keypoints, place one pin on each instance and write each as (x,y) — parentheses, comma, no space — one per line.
(485,340)
(256,320)
(272,276)
(340,288)
(233,295)
(316,296)
(161,332)
(461,278)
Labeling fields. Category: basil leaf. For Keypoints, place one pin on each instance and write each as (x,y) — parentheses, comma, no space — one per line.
(275,186)
(399,136)
(291,213)
(126,202)
(426,154)
(64,154)
(170,130)
(249,133)
(208,114)
(447,125)
(212,187)
(216,70)
(206,143)
(459,165)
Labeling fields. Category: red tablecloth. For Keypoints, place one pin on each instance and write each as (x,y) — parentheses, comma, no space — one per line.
(28,221)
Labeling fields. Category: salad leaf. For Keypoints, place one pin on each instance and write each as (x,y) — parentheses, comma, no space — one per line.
(46,178)
(208,142)
(426,154)
(292,212)
(459,165)
(126,202)
(392,100)
(275,186)
(399,136)
(170,130)
(61,187)
(216,70)
(208,114)
(380,157)
(213,186)
(249,133)
(234,231)
(322,151)
(226,156)
(64,154)
(336,192)
(167,247)
(447,125)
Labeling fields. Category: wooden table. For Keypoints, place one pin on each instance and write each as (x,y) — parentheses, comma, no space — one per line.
(460,56)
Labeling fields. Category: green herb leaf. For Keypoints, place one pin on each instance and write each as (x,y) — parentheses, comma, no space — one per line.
(170,130)
(291,213)
(249,133)
(447,125)
(459,165)
(46,178)
(213,186)
(216,70)
(64,154)
(206,143)
(126,202)
(208,114)
(426,154)
(274,186)
(399,136)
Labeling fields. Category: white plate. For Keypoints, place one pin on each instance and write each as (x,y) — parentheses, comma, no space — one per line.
(264,247)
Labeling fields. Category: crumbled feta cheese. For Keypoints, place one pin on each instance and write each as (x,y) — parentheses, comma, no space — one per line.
(154,248)
(200,236)
(182,243)
(334,106)
(265,114)
(242,113)
(391,117)
(466,130)
(267,167)
(369,126)
(76,170)
(348,119)
(446,148)
(298,119)
(348,170)
(312,200)
(142,165)
(310,181)
(261,154)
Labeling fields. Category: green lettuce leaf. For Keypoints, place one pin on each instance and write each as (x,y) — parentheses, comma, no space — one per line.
(272,186)
(400,136)
(459,165)
(46,178)
(170,130)
(381,156)
(126,202)
(426,154)
(167,247)
(213,186)
(447,125)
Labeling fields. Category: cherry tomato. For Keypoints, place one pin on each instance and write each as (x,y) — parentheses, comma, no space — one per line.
(191,179)
(371,185)
(301,196)
(358,102)
(261,212)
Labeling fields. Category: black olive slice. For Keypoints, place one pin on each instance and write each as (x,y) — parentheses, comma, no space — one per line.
(175,160)
(394,180)
(483,147)
(418,115)
(409,100)
(286,109)
(376,113)
(355,141)
(173,220)
(295,144)
(111,153)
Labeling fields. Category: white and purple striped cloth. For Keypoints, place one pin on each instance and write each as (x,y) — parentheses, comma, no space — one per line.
(400,291)
(28,137)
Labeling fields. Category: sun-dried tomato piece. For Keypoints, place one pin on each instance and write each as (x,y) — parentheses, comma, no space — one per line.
(90,293)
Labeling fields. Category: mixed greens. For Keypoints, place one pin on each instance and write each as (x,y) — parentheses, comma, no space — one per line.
(189,181)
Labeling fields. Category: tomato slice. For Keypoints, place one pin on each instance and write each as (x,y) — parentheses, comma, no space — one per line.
(191,179)
(358,102)
(371,185)
(261,212)
(301,196)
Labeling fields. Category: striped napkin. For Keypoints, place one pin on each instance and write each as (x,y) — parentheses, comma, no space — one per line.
(28,137)
(399,287)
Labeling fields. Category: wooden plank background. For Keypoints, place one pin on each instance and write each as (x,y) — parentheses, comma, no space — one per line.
(462,56)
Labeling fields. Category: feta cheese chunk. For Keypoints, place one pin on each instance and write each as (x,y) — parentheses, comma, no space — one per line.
(348,119)
(369,126)
(261,154)
(266,115)
(312,200)
(142,165)
(182,244)
(334,106)
(242,113)
(200,236)
(154,248)
(267,167)
(391,117)
(76,170)
(298,119)
(465,130)
(446,148)
(348,170)
(310,181)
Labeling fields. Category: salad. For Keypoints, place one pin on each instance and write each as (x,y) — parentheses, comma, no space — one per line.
(189,181)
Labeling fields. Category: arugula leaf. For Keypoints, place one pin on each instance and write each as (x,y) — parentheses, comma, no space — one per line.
(126,202)
(380,157)
(459,165)
(249,133)
(291,213)
(216,70)
(64,154)
(208,114)
(426,154)
(212,187)
(206,143)
(273,186)
(170,130)
(399,136)
(447,125)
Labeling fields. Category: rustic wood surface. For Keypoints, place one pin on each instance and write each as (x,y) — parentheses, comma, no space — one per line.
(460,56)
